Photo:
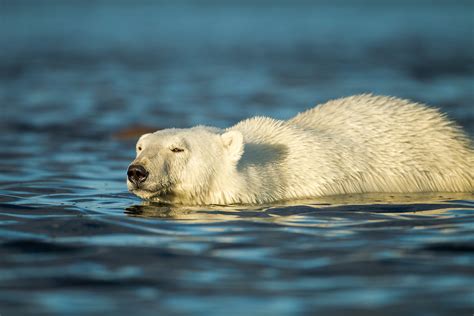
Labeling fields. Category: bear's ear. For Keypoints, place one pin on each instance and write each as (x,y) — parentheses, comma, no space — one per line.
(234,143)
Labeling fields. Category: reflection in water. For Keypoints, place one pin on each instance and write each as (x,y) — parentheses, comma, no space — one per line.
(389,204)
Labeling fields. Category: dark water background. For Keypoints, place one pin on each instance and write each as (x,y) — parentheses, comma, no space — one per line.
(75,74)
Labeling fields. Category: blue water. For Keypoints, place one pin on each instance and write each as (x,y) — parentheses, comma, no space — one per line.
(79,82)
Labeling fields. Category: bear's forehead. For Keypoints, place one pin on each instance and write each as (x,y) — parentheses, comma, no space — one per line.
(176,135)
(160,138)
(186,132)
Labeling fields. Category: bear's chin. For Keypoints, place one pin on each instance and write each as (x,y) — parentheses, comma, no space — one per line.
(153,196)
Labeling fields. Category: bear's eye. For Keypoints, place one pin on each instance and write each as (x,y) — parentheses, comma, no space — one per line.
(139,148)
(176,150)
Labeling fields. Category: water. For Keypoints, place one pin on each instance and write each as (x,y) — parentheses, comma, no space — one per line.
(78,83)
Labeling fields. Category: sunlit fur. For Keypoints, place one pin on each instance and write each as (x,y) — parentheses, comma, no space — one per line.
(359,144)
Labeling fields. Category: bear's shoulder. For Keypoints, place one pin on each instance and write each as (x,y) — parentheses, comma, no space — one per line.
(260,129)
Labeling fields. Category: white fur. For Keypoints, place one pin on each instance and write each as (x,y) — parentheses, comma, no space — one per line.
(359,144)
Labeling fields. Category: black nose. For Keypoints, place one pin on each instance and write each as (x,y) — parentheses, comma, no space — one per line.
(137,174)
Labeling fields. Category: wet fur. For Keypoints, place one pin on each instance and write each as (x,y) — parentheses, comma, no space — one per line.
(359,144)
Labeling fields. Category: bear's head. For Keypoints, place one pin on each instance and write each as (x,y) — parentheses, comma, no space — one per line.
(179,165)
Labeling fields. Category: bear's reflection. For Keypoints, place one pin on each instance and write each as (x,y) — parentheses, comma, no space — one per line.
(205,213)
(368,203)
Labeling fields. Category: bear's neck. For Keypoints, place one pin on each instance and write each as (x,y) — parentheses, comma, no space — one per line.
(257,178)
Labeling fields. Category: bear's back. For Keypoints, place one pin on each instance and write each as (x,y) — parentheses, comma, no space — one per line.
(369,116)
(396,137)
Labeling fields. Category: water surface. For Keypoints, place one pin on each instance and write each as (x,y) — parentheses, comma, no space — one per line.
(78,82)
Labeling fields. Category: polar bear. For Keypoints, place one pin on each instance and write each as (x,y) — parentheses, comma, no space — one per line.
(358,144)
